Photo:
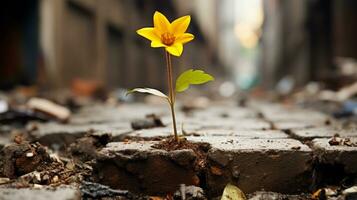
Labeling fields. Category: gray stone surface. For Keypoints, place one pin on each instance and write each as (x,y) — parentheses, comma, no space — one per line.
(60,193)
(249,147)
(322,132)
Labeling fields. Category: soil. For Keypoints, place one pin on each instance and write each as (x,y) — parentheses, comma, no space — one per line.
(200,149)
(86,148)
(30,163)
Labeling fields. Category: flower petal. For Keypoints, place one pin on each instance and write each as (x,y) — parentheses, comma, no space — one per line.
(180,25)
(161,23)
(184,38)
(175,49)
(148,33)
(156,44)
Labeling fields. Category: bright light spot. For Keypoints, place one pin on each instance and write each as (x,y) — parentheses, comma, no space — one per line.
(227,89)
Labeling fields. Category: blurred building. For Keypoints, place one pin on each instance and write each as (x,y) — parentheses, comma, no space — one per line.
(54,42)
(305,40)
(94,40)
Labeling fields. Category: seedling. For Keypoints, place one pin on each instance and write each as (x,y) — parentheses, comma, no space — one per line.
(172,36)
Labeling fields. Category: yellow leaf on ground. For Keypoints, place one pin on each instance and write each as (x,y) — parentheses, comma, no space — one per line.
(232,192)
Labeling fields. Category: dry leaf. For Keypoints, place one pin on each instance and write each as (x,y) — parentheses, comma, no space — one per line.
(232,192)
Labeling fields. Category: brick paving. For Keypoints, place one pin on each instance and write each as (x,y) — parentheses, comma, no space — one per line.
(261,146)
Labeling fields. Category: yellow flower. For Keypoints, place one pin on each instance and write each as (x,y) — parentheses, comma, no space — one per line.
(172,36)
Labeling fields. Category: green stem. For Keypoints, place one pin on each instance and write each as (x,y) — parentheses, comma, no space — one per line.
(171,92)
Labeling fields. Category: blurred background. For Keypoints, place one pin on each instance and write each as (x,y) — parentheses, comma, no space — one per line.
(276,45)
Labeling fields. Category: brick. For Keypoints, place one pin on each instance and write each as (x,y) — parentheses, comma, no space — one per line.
(288,125)
(321,132)
(57,135)
(339,155)
(279,165)
(140,168)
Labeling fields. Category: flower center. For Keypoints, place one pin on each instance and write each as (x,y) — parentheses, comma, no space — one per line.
(167,38)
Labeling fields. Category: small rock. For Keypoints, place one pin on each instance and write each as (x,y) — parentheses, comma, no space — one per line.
(55,179)
(189,193)
(150,121)
(350,190)
(4,180)
(29,155)
(49,108)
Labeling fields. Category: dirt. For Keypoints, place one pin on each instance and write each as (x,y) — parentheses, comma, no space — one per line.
(19,159)
(86,148)
(200,149)
(30,163)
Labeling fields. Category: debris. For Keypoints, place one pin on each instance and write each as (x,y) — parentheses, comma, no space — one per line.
(347,92)
(324,193)
(21,116)
(189,193)
(216,171)
(350,190)
(150,121)
(340,96)
(337,141)
(50,108)
(16,160)
(4,106)
(319,195)
(4,180)
(232,192)
(85,148)
(29,155)
(97,191)
(349,109)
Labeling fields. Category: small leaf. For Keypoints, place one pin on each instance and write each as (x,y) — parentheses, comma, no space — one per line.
(149,91)
(232,192)
(192,77)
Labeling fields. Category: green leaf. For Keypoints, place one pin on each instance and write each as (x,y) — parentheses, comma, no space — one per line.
(232,192)
(192,77)
(149,91)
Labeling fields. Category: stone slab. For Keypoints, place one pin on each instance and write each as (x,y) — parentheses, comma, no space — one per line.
(57,135)
(59,193)
(279,165)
